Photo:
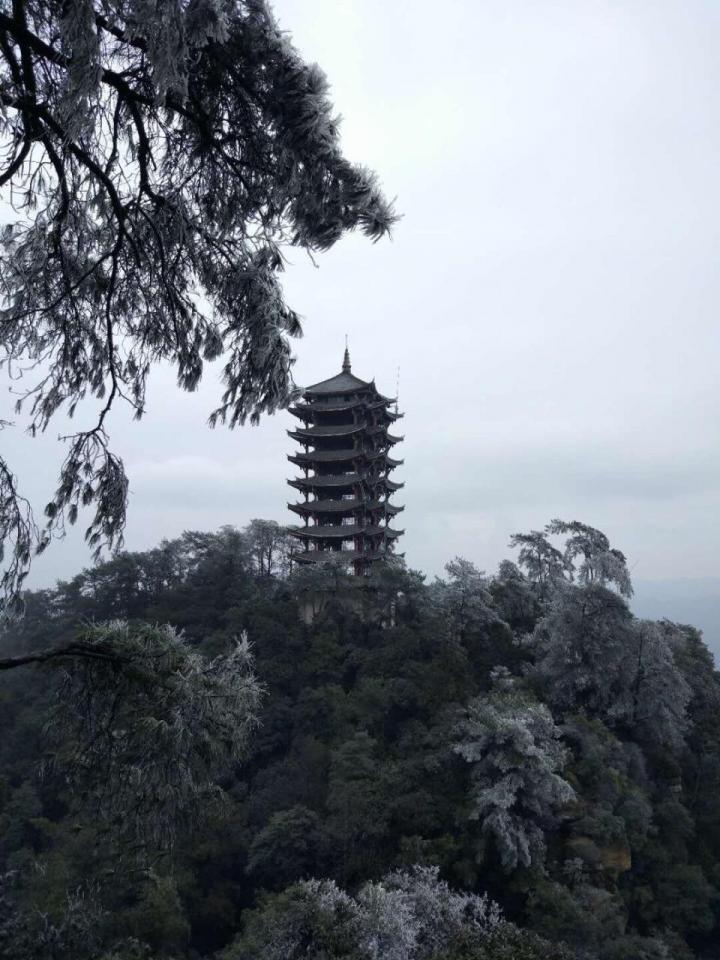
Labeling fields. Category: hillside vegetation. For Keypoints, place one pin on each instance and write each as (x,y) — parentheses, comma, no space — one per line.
(485,767)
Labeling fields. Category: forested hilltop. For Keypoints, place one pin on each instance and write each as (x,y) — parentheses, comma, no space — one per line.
(483,767)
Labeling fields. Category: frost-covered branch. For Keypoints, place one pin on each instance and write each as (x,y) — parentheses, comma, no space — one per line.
(144,727)
(158,158)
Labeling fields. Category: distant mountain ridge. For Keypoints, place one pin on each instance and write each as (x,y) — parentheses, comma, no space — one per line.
(685,600)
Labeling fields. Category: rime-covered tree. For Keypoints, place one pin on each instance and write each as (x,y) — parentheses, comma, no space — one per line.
(514,748)
(586,558)
(513,596)
(592,654)
(590,651)
(408,915)
(657,708)
(158,157)
(590,558)
(464,598)
(351,775)
(581,645)
(35,935)
(543,563)
(144,727)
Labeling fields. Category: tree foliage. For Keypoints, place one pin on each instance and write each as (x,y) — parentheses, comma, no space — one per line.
(407,915)
(586,558)
(592,653)
(517,759)
(145,727)
(158,157)
(464,596)
(533,743)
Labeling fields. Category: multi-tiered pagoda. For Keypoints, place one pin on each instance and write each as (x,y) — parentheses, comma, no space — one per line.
(346,466)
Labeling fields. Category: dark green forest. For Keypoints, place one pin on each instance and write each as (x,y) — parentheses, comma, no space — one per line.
(479,767)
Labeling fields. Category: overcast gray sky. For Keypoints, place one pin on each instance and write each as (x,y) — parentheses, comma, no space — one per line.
(550,296)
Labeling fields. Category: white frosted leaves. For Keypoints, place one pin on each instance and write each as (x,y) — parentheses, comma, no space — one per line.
(514,748)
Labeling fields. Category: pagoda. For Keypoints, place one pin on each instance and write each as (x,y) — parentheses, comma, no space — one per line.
(346,466)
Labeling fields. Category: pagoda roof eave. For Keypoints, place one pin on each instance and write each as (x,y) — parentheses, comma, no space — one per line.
(336,430)
(342,406)
(343,382)
(336,481)
(329,480)
(339,456)
(324,456)
(313,507)
(322,556)
(335,391)
(343,532)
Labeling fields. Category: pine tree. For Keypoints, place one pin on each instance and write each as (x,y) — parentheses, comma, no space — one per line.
(514,748)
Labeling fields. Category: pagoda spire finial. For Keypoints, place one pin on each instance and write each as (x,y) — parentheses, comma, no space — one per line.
(346,358)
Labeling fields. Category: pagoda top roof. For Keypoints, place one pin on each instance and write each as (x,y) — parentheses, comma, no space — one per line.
(341,383)
(344,382)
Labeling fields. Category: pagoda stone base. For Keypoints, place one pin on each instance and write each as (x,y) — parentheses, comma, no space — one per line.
(357,598)
(312,604)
